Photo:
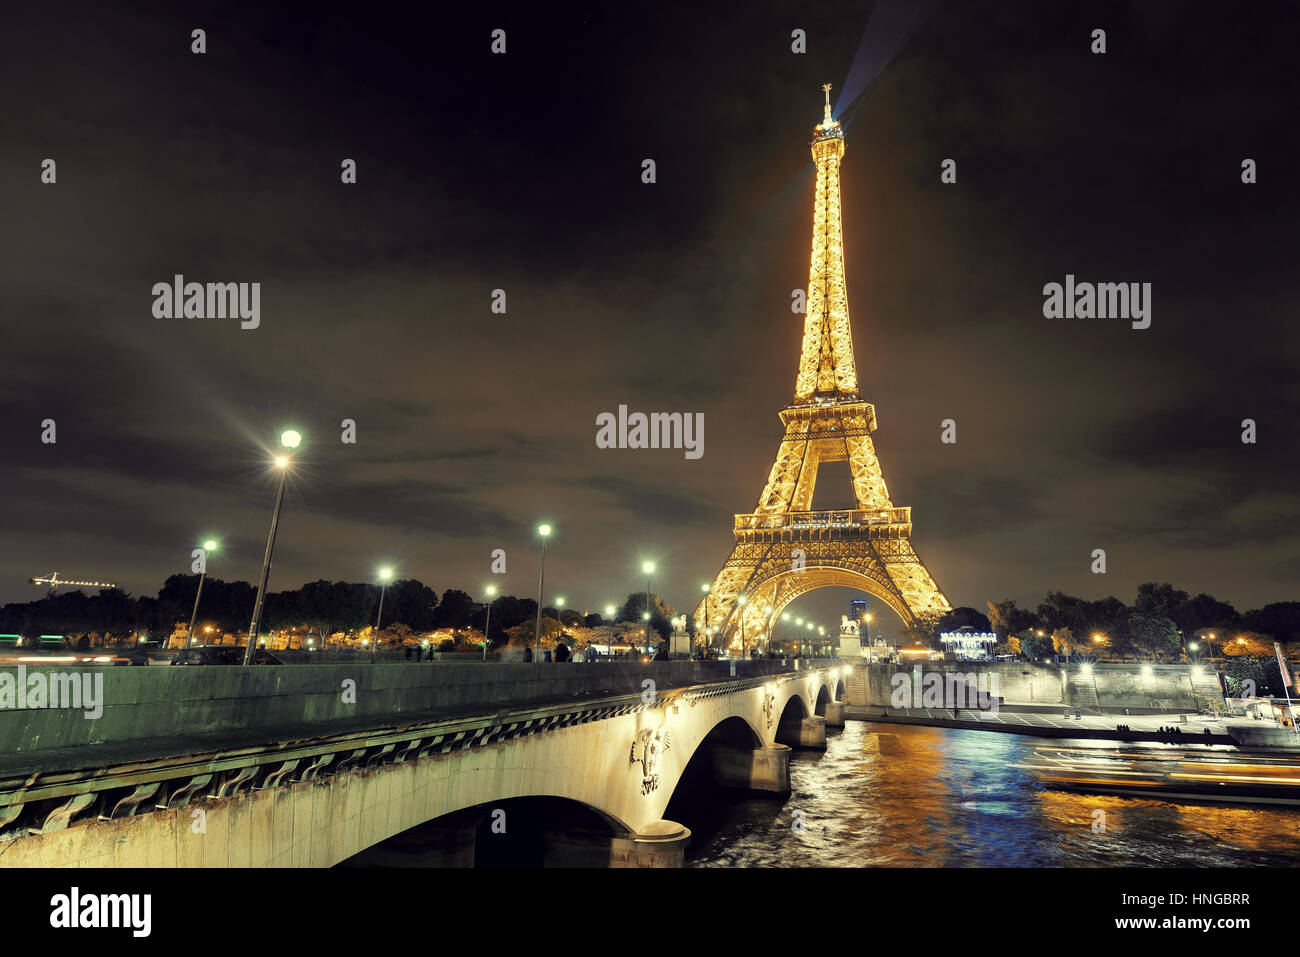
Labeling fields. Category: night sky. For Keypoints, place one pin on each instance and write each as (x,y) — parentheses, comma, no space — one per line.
(523,172)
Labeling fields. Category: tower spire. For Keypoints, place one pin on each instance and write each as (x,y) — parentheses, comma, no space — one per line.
(826,367)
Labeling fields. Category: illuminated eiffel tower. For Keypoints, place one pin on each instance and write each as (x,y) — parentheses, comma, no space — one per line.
(784,549)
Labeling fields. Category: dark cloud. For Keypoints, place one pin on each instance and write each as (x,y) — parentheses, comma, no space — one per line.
(523,173)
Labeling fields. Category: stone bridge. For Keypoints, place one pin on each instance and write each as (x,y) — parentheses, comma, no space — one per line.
(309,765)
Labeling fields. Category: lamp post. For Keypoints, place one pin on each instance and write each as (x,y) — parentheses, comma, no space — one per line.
(610,612)
(487,624)
(742,601)
(545,532)
(289,440)
(649,569)
(208,548)
(385,576)
(706,588)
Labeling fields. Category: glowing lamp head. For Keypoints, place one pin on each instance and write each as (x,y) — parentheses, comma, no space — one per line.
(209,546)
(290,439)
(706,587)
(610,611)
(385,575)
(559,603)
(491,590)
(282,461)
(543,530)
(648,567)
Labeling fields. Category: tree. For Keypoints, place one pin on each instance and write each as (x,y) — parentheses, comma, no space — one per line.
(1104,619)
(1208,612)
(1280,619)
(964,618)
(1059,610)
(521,635)
(1247,644)
(1253,677)
(661,614)
(1007,619)
(1151,635)
(397,633)
(1034,645)
(923,629)
(412,602)
(1064,642)
(454,611)
(1157,600)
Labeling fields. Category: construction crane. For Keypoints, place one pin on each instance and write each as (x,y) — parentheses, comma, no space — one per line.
(54,581)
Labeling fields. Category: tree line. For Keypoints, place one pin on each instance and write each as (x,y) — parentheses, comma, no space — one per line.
(1158,625)
(321,607)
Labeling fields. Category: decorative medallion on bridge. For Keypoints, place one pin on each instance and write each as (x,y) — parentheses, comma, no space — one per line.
(784,549)
(648,744)
(769,708)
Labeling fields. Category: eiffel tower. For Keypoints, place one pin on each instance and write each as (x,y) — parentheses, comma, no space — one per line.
(783,549)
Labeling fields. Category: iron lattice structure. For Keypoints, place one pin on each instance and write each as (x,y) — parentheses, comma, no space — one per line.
(784,549)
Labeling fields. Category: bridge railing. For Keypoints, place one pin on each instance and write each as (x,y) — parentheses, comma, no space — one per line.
(156,711)
(833,518)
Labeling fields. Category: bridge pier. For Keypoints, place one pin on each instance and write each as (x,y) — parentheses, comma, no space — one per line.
(661,844)
(766,769)
(835,714)
(807,732)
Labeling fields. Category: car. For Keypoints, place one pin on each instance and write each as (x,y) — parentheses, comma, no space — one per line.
(221,655)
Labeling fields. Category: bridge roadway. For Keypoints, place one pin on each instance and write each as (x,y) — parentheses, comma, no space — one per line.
(310,765)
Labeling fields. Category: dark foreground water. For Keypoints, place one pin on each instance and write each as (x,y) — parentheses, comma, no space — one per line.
(903,795)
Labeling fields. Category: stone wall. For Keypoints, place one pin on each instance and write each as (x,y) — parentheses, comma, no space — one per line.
(1109,688)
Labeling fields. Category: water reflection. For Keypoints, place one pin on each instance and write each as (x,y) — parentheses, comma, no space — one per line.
(909,796)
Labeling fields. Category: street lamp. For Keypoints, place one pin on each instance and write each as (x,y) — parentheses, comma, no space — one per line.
(649,569)
(741,602)
(208,548)
(610,612)
(707,589)
(487,625)
(545,532)
(385,576)
(290,440)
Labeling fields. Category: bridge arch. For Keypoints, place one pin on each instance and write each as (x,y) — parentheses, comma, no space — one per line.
(794,709)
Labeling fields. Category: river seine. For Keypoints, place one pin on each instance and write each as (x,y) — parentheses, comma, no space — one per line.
(910,796)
